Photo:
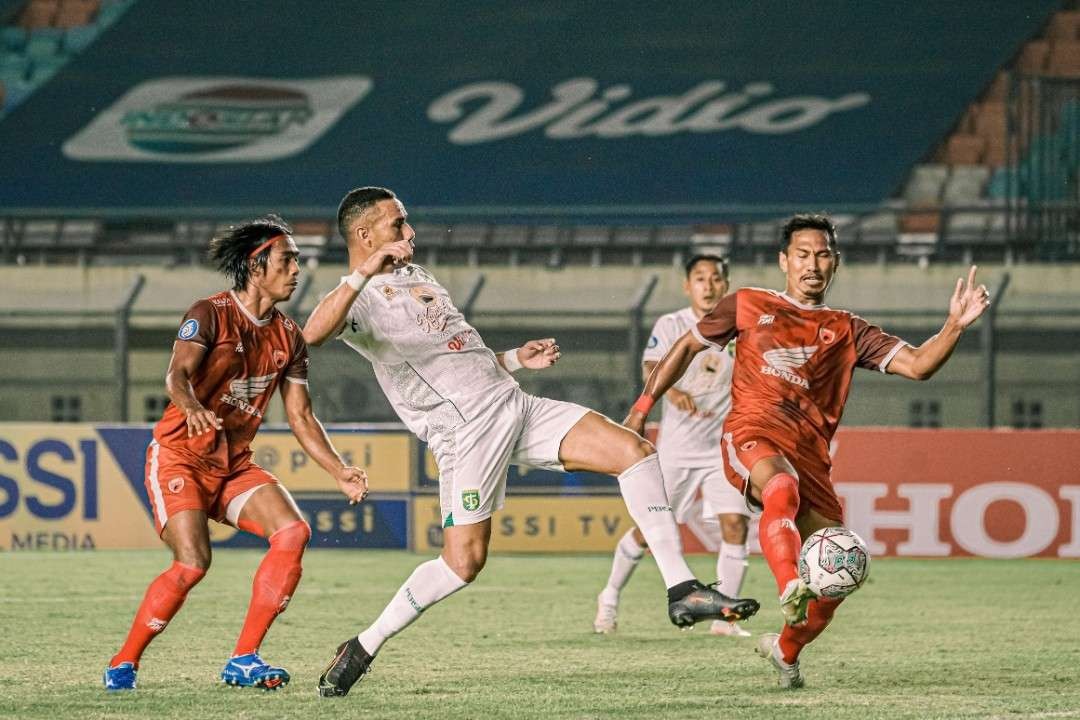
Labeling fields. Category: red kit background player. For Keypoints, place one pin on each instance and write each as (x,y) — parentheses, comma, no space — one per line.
(793,370)
(233,350)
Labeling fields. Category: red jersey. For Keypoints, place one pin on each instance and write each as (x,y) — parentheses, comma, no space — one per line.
(246,359)
(793,365)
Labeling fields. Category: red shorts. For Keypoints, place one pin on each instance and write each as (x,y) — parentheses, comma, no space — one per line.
(741,450)
(174,483)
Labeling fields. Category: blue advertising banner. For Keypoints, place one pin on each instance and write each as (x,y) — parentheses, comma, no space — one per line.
(77,486)
(492,108)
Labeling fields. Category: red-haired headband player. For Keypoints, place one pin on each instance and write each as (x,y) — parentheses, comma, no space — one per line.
(792,373)
(233,350)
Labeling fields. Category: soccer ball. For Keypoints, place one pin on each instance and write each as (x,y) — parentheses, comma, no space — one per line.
(834,562)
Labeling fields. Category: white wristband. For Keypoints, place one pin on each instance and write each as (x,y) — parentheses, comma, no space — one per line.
(357,280)
(511,362)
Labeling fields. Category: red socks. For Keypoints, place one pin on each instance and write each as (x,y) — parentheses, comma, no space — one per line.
(779,538)
(794,639)
(275,581)
(162,600)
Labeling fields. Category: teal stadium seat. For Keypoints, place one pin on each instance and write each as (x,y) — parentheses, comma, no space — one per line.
(12,39)
(78,38)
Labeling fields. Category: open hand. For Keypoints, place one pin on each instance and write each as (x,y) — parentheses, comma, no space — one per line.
(200,420)
(353,482)
(968,301)
(539,354)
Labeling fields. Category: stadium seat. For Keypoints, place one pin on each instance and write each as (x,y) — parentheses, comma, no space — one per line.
(633,236)
(673,236)
(965,184)
(966,227)
(509,236)
(468,235)
(1065,25)
(990,119)
(44,43)
(78,38)
(999,88)
(1033,56)
(39,14)
(13,39)
(45,67)
(1064,60)
(74,13)
(311,237)
(924,185)
(38,234)
(79,233)
(591,236)
(878,228)
(964,149)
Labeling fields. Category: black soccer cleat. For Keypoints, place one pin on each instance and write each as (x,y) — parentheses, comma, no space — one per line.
(347,668)
(707,603)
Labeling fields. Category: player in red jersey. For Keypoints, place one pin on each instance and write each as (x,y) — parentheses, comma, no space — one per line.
(792,374)
(234,349)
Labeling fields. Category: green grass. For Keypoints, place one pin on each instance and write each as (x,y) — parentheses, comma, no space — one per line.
(925,639)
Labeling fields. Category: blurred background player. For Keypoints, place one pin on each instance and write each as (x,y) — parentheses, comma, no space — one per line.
(233,350)
(792,374)
(459,397)
(689,447)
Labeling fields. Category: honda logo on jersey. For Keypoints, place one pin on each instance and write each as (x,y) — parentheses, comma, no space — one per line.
(245,389)
(781,363)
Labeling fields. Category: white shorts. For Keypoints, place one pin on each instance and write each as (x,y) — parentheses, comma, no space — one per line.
(719,497)
(518,429)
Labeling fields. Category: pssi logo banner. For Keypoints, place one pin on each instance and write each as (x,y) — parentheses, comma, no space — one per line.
(387,457)
(217,119)
(73,487)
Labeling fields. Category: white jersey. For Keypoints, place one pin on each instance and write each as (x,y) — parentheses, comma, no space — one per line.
(432,365)
(692,440)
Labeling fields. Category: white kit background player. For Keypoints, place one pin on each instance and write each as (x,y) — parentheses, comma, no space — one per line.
(689,447)
(459,396)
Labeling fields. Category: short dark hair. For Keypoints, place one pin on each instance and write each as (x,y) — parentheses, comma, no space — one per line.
(356,202)
(707,257)
(808,221)
(231,252)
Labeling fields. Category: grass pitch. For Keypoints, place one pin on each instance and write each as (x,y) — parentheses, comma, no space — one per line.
(924,639)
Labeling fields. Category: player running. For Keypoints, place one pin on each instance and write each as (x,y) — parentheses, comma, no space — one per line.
(234,349)
(459,397)
(689,448)
(792,373)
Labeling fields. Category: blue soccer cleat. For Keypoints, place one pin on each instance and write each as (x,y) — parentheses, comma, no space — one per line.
(121,677)
(252,671)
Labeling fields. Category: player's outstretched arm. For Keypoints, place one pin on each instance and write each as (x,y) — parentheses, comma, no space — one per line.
(682,401)
(535,355)
(328,318)
(313,438)
(666,373)
(185,360)
(967,304)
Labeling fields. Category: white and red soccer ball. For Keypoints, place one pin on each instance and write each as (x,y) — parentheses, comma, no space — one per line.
(834,562)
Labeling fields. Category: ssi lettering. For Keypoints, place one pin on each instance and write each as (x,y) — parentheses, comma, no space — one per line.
(549,526)
(53,482)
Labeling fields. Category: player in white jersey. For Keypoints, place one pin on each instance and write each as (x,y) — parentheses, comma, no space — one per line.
(689,447)
(460,397)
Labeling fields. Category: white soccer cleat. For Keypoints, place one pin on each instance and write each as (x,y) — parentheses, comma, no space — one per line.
(606,620)
(768,646)
(726,629)
(794,601)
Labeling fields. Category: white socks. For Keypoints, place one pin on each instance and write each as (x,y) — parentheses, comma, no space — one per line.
(429,583)
(731,568)
(642,488)
(627,556)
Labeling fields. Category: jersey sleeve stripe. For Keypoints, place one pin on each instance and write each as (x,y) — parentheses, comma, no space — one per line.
(298,381)
(701,339)
(884,366)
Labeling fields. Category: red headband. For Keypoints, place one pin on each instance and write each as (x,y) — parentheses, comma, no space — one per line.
(265,245)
